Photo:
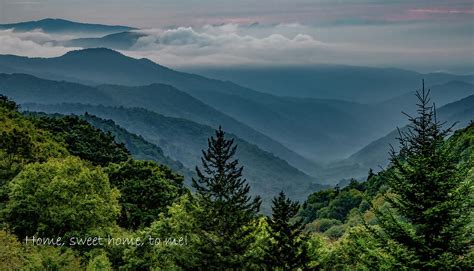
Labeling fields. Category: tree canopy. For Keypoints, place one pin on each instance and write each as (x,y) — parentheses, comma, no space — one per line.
(226,206)
(61,197)
(146,190)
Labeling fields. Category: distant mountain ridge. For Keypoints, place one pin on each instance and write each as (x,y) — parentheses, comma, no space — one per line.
(50,25)
(343,82)
(137,145)
(183,141)
(118,41)
(318,129)
(376,154)
(440,94)
(163,99)
(302,125)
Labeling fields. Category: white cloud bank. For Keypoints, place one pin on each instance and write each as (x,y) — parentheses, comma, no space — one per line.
(277,45)
(224,45)
(32,44)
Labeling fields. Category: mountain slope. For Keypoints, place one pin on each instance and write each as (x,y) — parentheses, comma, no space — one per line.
(183,140)
(26,88)
(318,129)
(439,94)
(64,26)
(137,145)
(351,83)
(119,41)
(376,154)
(159,98)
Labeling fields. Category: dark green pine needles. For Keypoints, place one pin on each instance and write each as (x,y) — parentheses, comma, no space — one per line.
(429,198)
(286,248)
(227,209)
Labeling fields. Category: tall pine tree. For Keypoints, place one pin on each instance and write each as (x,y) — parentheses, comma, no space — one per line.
(287,248)
(227,208)
(430,198)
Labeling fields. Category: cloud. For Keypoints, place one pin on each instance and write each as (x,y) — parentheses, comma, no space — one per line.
(297,44)
(442,11)
(32,44)
(440,47)
(227,44)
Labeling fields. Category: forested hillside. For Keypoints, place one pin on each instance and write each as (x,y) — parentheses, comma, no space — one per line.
(63,178)
(183,140)
(313,128)
(137,145)
(342,82)
(170,101)
(80,126)
(335,210)
(352,216)
(160,98)
(288,135)
(375,154)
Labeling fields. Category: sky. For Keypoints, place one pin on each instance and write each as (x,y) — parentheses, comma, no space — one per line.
(434,35)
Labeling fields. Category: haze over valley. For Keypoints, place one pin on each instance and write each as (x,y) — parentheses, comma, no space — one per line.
(236,135)
(316,118)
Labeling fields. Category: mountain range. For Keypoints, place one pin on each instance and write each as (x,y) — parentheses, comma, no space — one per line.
(183,140)
(316,129)
(119,41)
(306,132)
(320,123)
(163,99)
(343,82)
(61,26)
(376,154)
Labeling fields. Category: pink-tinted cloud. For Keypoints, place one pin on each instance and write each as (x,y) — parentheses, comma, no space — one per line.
(442,11)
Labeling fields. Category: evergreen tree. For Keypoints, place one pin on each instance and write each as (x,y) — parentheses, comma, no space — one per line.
(287,246)
(370,174)
(7,103)
(430,198)
(227,208)
(146,190)
(82,139)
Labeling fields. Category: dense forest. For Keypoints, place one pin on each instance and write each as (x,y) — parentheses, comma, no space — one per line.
(78,193)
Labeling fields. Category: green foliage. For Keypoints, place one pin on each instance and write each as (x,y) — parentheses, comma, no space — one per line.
(137,145)
(183,141)
(461,144)
(322,225)
(315,202)
(20,138)
(430,198)
(336,231)
(358,250)
(99,262)
(333,203)
(419,217)
(83,140)
(287,247)
(61,197)
(114,251)
(226,209)
(21,143)
(177,223)
(146,189)
(53,258)
(443,175)
(7,103)
(342,204)
(11,257)
(256,251)
(17,256)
